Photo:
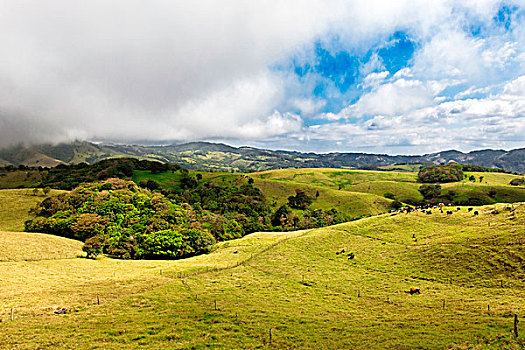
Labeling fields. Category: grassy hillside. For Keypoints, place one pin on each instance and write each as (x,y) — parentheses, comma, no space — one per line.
(403,185)
(22,246)
(357,192)
(469,269)
(490,178)
(15,205)
(20,178)
(277,185)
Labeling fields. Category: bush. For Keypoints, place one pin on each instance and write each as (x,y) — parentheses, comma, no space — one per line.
(396,205)
(389,195)
(118,218)
(300,201)
(279,215)
(517,182)
(430,191)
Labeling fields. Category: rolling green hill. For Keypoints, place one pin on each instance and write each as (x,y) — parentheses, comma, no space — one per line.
(221,157)
(358,192)
(469,270)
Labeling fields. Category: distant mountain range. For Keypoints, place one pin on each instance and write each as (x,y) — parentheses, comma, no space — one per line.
(221,157)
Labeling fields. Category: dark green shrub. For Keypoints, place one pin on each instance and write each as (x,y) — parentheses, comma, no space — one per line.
(300,201)
(517,182)
(430,191)
(396,205)
(389,195)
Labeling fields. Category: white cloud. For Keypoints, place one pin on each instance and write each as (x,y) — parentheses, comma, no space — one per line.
(374,79)
(308,105)
(393,98)
(497,121)
(127,70)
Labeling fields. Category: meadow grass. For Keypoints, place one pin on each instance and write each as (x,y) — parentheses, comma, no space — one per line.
(15,206)
(491,178)
(292,283)
(20,178)
(23,246)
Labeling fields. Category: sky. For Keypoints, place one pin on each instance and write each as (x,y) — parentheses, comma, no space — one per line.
(396,77)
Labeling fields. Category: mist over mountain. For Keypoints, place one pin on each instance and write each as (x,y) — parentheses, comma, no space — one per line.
(222,157)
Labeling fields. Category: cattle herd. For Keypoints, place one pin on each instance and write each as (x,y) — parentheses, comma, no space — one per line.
(427,209)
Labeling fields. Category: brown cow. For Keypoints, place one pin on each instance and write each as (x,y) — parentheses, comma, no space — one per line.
(414,290)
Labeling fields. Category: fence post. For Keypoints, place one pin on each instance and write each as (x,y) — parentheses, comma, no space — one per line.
(13,310)
(516,325)
(270,335)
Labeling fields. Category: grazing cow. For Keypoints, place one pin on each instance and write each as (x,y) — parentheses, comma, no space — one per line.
(449,212)
(429,212)
(458,208)
(476,213)
(470,209)
(414,290)
(351,256)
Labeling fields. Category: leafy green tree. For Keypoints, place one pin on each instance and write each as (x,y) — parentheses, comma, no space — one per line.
(163,244)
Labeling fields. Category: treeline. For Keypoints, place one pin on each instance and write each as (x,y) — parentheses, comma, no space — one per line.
(482,169)
(67,177)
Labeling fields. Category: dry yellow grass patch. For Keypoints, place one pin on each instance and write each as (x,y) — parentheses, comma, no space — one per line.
(15,206)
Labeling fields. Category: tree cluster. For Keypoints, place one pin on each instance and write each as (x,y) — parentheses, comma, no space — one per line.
(441,173)
(118,218)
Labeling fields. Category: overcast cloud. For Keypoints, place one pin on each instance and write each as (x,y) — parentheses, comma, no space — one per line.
(383,76)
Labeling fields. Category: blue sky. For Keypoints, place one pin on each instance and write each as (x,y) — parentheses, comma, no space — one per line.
(403,77)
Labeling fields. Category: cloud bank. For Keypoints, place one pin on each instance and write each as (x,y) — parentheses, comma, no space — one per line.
(382,76)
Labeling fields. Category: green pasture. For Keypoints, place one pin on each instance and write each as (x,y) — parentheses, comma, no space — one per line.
(468,267)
